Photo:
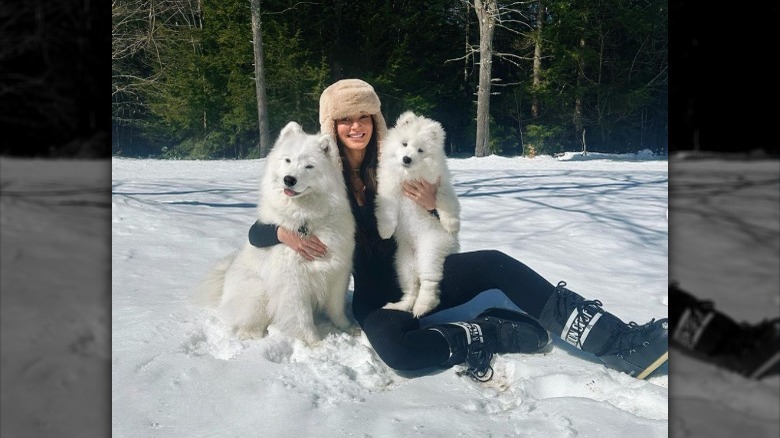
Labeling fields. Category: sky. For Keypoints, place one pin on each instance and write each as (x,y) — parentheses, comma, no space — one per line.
(597,222)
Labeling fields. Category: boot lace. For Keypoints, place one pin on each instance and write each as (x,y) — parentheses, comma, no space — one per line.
(633,337)
(478,358)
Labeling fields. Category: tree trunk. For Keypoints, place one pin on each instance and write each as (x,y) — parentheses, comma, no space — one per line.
(578,122)
(537,70)
(486,15)
(262,101)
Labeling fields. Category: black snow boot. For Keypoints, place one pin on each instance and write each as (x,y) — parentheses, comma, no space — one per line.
(707,334)
(634,349)
(494,331)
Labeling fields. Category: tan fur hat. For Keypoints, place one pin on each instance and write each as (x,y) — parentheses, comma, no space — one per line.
(347,97)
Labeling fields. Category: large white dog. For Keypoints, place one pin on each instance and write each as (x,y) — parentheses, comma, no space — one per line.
(302,189)
(414,150)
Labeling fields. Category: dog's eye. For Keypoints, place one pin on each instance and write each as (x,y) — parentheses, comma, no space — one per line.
(404,143)
(420,150)
(309,166)
(287,160)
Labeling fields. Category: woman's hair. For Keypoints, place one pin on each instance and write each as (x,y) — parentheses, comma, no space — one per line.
(367,169)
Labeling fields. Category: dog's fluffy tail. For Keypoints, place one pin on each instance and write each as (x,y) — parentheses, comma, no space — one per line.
(209,292)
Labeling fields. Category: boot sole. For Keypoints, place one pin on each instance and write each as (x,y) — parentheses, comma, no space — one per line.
(653,366)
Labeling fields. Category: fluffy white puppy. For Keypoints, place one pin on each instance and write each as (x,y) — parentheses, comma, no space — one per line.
(302,189)
(414,150)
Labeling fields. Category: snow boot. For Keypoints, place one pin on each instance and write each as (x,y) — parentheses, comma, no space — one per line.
(636,350)
(707,334)
(753,351)
(494,331)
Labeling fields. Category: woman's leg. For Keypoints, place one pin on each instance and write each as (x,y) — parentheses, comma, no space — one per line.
(631,348)
(468,274)
(397,338)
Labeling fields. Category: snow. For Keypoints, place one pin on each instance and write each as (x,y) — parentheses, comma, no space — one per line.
(725,246)
(597,222)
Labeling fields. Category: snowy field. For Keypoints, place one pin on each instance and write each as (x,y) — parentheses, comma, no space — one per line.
(598,224)
(725,246)
(55,218)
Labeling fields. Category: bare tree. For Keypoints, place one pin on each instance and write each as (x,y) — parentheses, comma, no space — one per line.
(486,14)
(262,101)
(491,15)
(537,71)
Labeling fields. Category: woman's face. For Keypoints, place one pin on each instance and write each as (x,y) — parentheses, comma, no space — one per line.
(355,131)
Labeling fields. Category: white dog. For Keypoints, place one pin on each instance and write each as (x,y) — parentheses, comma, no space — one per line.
(414,150)
(302,189)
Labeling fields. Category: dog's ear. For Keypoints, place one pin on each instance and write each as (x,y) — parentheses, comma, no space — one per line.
(292,127)
(327,145)
(437,131)
(405,118)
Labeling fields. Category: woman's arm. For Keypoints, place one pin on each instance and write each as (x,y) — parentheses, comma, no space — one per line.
(266,235)
(263,235)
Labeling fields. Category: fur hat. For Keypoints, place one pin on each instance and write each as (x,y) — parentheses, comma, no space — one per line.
(347,97)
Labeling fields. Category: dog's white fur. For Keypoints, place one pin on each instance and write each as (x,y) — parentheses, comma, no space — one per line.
(414,150)
(302,189)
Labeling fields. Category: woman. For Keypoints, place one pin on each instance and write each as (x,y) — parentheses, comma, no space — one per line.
(350,112)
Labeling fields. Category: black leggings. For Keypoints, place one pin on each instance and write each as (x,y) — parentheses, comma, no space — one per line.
(396,336)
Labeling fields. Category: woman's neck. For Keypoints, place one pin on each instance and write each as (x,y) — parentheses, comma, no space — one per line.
(355,158)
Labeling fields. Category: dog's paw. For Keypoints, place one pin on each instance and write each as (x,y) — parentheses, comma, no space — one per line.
(341,323)
(423,305)
(386,230)
(310,337)
(401,305)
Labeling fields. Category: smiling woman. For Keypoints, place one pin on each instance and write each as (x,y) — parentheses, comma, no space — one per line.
(350,112)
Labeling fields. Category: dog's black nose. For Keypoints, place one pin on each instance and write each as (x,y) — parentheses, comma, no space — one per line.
(290,181)
(406,160)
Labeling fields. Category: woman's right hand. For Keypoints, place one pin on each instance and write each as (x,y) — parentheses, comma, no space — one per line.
(309,247)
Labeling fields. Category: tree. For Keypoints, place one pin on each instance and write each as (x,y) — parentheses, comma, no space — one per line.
(262,101)
(486,15)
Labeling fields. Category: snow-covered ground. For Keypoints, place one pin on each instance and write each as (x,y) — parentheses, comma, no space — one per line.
(725,246)
(598,224)
(55,276)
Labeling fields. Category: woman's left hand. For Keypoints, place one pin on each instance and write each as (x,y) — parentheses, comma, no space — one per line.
(421,192)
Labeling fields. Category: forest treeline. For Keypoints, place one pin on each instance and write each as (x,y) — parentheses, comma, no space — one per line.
(54,78)
(564,75)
